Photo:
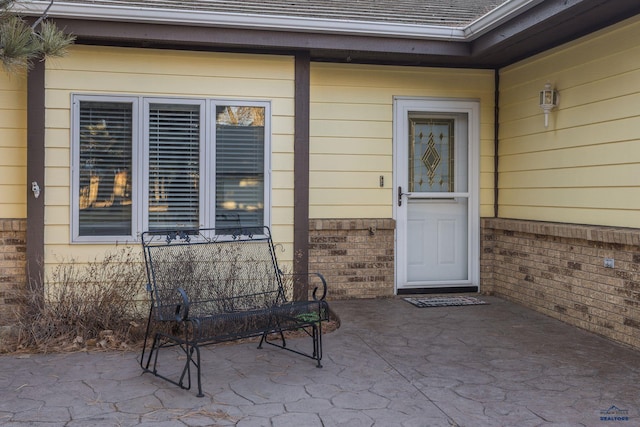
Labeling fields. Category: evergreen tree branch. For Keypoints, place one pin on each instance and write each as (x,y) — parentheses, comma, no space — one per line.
(21,44)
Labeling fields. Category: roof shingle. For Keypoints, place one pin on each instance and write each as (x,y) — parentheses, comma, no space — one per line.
(446,13)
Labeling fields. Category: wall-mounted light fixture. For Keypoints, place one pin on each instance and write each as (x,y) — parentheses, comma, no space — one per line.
(35,188)
(548,101)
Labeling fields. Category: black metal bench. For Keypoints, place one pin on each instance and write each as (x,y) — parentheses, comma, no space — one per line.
(215,285)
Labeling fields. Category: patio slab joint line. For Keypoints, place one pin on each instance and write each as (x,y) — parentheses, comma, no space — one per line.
(408,380)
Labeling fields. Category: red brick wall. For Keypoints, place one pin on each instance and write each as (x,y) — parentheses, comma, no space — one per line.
(12,266)
(558,269)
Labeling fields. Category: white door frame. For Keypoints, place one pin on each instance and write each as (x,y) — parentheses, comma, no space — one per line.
(401,108)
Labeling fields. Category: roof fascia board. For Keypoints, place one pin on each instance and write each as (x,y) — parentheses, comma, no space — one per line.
(300,24)
(181,35)
(548,25)
(537,16)
(497,17)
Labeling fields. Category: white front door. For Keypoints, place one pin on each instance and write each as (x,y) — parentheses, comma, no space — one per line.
(436,193)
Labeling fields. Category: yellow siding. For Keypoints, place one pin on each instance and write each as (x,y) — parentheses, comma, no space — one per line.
(351,132)
(585,167)
(13,145)
(351,124)
(122,71)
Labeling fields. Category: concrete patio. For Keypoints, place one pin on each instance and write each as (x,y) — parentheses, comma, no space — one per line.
(389,364)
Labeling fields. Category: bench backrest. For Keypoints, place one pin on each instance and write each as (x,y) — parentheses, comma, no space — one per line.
(220,270)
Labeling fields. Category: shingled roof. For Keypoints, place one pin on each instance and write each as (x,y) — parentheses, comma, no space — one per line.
(449,13)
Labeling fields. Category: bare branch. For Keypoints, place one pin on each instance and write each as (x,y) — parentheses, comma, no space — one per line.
(43,17)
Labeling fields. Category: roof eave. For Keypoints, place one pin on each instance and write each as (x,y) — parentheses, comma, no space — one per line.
(497,17)
(272,22)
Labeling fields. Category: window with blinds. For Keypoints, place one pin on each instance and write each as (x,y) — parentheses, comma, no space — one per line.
(147,163)
(104,187)
(239,166)
(174,166)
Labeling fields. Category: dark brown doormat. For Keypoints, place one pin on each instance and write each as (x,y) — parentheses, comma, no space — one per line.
(443,301)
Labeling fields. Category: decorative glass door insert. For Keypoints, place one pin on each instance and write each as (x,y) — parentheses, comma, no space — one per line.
(431,155)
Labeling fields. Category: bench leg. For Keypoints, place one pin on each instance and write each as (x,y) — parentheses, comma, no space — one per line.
(153,354)
(197,349)
(316,338)
(317,343)
(191,349)
(144,346)
(265,340)
(186,371)
(279,329)
(262,340)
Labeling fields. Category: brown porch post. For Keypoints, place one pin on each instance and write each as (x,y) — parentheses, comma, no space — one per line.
(301,175)
(35,175)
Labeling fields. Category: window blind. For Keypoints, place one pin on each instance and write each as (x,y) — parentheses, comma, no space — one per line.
(174,165)
(105,168)
(240,166)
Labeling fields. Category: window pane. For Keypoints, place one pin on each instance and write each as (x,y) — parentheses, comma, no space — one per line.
(240,166)
(174,165)
(105,169)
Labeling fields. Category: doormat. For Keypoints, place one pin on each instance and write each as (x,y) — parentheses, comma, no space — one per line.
(444,301)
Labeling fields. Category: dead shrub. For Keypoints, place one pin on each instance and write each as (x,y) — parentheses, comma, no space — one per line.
(99,304)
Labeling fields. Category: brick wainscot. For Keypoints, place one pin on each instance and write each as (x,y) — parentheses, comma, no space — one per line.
(559,270)
(13,235)
(356,256)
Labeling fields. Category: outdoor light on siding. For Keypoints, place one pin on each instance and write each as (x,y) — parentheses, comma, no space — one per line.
(548,101)
(36,189)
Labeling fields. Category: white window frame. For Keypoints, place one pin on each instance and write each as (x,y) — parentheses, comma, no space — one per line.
(75,166)
(140,160)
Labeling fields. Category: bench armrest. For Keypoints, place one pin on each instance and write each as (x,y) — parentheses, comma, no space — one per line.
(319,291)
(182,310)
(323,290)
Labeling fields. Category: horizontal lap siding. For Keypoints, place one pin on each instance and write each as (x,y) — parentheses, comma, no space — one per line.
(13,145)
(351,132)
(585,167)
(164,73)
